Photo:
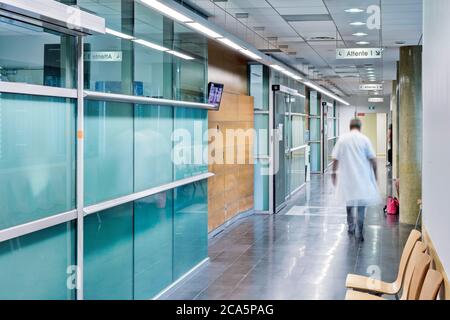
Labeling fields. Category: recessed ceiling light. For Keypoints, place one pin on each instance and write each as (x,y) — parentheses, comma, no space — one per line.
(354,10)
(360,34)
(357,23)
(369,69)
(362,43)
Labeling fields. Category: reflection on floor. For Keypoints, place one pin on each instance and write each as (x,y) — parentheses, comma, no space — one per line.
(302,253)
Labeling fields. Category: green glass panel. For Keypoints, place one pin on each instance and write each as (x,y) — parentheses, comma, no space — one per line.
(315,157)
(261,185)
(190,75)
(298,131)
(262,132)
(153,146)
(109,60)
(298,104)
(315,129)
(39,265)
(108,254)
(153,241)
(313,104)
(30,54)
(152,68)
(190,227)
(108,150)
(257,86)
(298,176)
(37,157)
(190,142)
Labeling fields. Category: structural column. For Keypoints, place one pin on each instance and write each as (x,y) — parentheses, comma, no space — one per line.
(410,132)
(394,142)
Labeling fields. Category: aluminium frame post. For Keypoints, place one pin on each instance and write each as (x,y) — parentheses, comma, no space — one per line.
(80,169)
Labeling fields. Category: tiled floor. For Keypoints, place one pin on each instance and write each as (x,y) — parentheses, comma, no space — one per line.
(302,253)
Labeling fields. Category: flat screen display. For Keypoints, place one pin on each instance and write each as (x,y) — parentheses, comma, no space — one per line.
(215,91)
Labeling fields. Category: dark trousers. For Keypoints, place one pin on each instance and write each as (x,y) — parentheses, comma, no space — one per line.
(351,219)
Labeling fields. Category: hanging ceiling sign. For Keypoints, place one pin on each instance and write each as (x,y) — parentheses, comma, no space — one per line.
(376,100)
(358,53)
(371,87)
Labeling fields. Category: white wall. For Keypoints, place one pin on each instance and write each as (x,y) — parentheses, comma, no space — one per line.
(436,128)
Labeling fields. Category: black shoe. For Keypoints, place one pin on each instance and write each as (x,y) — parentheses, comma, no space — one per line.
(361,238)
(351,232)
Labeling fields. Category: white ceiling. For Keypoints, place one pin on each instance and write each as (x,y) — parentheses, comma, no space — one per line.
(266,28)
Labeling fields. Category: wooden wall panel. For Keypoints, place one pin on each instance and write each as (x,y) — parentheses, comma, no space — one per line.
(230,191)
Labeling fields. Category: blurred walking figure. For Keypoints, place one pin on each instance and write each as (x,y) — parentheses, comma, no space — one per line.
(355,175)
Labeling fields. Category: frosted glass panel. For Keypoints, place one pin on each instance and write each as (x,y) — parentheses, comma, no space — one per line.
(31,54)
(298,131)
(37,154)
(108,151)
(261,126)
(35,266)
(190,226)
(190,141)
(108,254)
(315,157)
(315,129)
(153,146)
(261,185)
(153,226)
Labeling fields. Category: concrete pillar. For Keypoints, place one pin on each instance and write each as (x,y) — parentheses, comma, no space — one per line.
(410,132)
(394,108)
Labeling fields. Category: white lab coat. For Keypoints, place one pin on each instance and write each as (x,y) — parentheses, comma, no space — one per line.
(356,182)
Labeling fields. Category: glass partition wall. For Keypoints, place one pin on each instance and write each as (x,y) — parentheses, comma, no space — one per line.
(259,89)
(110,193)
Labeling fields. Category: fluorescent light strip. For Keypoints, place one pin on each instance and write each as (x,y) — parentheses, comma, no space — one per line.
(166,10)
(231,44)
(354,10)
(250,54)
(150,45)
(180,55)
(118,34)
(357,23)
(322,90)
(197,26)
(277,67)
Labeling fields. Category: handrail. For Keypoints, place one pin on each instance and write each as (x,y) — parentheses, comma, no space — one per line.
(146,193)
(115,97)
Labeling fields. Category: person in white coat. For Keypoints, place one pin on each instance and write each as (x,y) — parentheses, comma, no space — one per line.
(355,175)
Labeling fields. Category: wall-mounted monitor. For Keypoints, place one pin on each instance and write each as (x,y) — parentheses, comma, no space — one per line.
(215,92)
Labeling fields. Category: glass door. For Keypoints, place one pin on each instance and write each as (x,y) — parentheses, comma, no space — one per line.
(281,145)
